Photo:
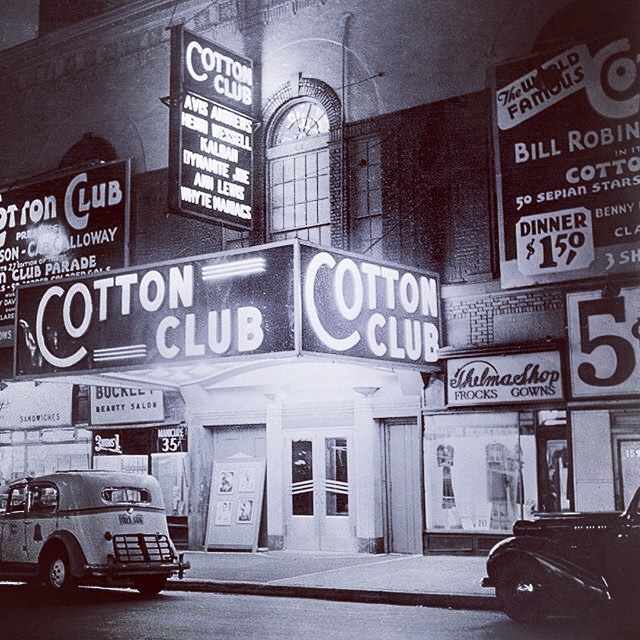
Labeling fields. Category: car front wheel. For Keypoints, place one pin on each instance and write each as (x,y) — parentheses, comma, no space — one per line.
(150,585)
(522,592)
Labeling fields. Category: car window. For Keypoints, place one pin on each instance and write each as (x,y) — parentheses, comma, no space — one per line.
(121,495)
(16,500)
(43,498)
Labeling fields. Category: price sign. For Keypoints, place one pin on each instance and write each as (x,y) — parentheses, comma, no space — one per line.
(172,439)
(560,240)
(604,343)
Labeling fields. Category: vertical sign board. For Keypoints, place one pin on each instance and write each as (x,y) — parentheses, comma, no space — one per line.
(71,224)
(604,343)
(211,131)
(567,136)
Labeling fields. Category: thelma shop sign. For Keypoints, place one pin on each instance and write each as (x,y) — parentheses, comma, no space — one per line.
(523,377)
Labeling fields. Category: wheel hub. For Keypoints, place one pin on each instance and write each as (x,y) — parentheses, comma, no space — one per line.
(57,573)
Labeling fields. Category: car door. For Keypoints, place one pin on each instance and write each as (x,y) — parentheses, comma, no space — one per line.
(13,526)
(41,517)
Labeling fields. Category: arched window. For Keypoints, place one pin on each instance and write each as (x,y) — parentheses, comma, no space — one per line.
(298,173)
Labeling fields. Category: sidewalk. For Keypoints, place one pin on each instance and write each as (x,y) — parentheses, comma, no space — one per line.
(439,581)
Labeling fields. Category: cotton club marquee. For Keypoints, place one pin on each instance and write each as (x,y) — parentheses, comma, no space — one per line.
(284,298)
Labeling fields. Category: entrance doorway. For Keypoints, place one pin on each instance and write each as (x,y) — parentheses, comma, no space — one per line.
(320,509)
(402,477)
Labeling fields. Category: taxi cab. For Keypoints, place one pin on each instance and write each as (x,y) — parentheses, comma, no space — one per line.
(88,527)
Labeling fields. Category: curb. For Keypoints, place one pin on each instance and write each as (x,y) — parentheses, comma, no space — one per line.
(412,599)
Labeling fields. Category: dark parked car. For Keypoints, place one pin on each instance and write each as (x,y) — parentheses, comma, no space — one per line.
(558,562)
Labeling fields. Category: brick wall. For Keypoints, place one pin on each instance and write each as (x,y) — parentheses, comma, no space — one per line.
(503,318)
(436,187)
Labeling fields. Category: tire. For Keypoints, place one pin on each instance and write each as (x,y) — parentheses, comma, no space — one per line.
(523,592)
(55,573)
(150,585)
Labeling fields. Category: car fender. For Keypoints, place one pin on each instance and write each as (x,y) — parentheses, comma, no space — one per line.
(566,577)
(77,559)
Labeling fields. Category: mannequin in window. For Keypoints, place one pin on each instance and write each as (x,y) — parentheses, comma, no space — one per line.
(444,456)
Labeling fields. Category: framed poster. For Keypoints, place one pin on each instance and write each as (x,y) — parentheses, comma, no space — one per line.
(235,503)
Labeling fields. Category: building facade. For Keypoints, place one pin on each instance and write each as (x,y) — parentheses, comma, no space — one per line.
(393,143)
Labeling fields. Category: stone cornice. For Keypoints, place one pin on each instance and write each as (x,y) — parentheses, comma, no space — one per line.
(135,28)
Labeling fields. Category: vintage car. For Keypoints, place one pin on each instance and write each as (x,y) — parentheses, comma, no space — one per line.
(88,527)
(560,562)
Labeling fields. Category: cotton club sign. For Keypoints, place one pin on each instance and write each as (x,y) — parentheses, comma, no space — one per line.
(285,298)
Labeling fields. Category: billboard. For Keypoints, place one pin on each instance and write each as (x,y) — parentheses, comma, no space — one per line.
(604,342)
(567,135)
(211,131)
(284,298)
(73,223)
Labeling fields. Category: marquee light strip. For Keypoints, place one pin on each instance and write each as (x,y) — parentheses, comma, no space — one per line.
(128,352)
(235,268)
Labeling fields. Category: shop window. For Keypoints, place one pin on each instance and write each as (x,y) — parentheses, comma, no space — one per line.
(485,471)
(337,485)
(365,206)
(302,478)
(298,174)
(481,473)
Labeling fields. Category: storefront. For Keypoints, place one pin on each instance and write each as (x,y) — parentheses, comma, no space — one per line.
(130,432)
(37,431)
(500,451)
(604,375)
(306,358)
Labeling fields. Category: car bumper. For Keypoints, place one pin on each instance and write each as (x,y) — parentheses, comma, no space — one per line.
(115,569)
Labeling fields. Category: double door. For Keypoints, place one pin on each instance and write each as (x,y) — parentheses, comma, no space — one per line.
(319,503)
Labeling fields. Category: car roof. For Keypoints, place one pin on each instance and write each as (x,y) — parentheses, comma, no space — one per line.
(83,488)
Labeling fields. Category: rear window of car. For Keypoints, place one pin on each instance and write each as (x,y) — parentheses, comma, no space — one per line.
(126,495)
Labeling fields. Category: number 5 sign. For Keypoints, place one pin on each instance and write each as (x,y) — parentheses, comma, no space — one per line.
(604,343)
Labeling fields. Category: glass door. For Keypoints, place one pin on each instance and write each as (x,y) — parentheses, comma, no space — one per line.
(320,507)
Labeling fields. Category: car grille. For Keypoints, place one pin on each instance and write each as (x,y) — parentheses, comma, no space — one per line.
(141,547)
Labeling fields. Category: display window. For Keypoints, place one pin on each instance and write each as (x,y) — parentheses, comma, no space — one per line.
(35,453)
(484,471)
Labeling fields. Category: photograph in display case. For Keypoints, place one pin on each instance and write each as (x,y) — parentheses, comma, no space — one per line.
(247,480)
(245,511)
(225,481)
(223,513)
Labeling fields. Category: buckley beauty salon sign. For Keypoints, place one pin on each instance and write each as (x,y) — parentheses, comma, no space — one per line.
(122,405)
(284,298)
(211,131)
(522,377)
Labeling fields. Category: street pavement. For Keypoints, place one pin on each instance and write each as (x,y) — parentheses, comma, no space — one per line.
(435,580)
